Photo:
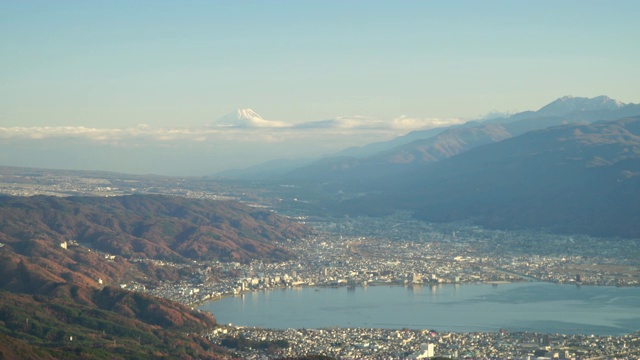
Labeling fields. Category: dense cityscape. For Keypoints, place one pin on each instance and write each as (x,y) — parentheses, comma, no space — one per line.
(337,258)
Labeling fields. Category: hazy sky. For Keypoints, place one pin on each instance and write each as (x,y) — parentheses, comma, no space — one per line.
(183,63)
(97,70)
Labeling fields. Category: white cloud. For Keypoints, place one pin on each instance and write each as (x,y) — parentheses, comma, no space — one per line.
(193,150)
(340,127)
(404,122)
(494,114)
(360,123)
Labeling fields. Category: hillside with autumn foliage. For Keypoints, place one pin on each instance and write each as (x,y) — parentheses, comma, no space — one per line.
(151,226)
(60,257)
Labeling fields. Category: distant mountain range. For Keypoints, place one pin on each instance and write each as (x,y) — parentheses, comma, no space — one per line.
(439,143)
(557,108)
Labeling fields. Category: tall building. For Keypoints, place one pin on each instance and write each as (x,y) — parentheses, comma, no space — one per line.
(431,350)
(426,351)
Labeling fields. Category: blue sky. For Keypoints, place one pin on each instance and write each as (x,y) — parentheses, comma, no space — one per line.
(186,63)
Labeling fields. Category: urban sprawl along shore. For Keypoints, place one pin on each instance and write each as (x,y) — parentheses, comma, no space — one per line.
(393,250)
(384,254)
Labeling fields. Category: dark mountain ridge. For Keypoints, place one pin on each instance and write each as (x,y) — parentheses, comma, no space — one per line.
(570,179)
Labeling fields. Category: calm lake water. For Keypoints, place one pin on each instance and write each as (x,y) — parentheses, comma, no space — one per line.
(533,307)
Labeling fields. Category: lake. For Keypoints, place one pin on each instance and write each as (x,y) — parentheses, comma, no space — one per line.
(530,306)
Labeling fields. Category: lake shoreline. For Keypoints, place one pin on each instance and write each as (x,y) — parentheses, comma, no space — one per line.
(488,307)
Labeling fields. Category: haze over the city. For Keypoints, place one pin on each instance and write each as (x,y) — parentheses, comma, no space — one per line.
(146,87)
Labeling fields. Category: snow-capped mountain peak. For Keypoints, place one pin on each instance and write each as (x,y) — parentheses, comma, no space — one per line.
(246,118)
(247,114)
